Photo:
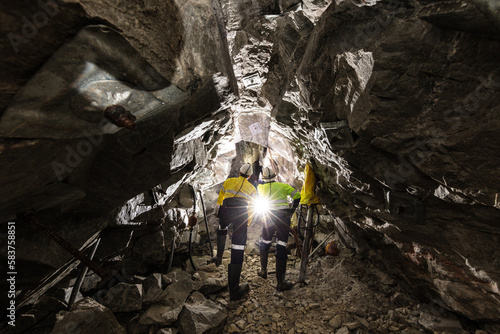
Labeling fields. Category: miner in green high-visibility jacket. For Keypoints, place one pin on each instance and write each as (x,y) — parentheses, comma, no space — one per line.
(277,220)
(232,207)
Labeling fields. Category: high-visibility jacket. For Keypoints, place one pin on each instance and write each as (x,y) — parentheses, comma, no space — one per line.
(236,187)
(307,195)
(276,193)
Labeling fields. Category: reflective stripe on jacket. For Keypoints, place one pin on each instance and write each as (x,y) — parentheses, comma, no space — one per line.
(236,186)
(276,193)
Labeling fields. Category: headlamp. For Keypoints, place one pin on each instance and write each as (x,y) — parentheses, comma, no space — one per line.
(261,206)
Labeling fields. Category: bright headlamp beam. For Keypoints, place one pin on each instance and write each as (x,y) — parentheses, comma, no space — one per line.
(261,206)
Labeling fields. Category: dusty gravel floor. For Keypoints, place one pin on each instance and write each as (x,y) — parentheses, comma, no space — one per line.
(342,294)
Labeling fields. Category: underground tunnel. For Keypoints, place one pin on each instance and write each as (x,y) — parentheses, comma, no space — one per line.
(120,121)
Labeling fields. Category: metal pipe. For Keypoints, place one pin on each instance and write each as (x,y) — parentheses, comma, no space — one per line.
(83,272)
(321,244)
(299,219)
(191,229)
(171,257)
(317,216)
(32,217)
(305,248)
(190,256)
(206,224)
(194,199)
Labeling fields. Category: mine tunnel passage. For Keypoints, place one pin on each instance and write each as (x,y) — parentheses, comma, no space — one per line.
(114,115)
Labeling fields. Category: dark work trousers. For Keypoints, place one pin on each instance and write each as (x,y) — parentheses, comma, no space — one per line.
(234,211)
(277,221)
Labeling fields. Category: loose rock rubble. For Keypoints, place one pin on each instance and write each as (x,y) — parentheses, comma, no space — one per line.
(344,294)
(341,295)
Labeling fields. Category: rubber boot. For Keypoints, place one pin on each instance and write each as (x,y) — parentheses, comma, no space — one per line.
(236,291)
(263,264)
(221,245)
(282,285)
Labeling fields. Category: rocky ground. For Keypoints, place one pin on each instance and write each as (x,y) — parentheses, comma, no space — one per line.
(342,294)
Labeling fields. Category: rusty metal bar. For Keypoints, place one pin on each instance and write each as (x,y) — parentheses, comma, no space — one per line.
(31,217)
(79,280)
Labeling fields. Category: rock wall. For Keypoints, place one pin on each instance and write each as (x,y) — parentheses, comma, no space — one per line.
(65,62)
(397,104)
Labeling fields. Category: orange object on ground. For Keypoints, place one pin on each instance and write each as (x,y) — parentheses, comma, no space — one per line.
(332,249)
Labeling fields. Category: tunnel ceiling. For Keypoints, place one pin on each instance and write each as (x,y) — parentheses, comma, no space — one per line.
(395,104)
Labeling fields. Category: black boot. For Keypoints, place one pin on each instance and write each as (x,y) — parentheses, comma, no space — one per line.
(236,291)
(263,264)
(221,245)
(280,276)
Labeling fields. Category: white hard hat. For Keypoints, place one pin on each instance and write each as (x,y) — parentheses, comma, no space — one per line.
(268,174)
(246,170)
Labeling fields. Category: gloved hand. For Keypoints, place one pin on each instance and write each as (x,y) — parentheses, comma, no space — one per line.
(216,210)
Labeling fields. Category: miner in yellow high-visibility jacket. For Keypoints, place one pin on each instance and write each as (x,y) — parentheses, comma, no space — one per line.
(232,205)
(277,220)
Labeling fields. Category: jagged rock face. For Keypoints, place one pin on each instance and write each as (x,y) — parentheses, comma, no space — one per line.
(414,159)
(65,98)
(159,59)
(395,103)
